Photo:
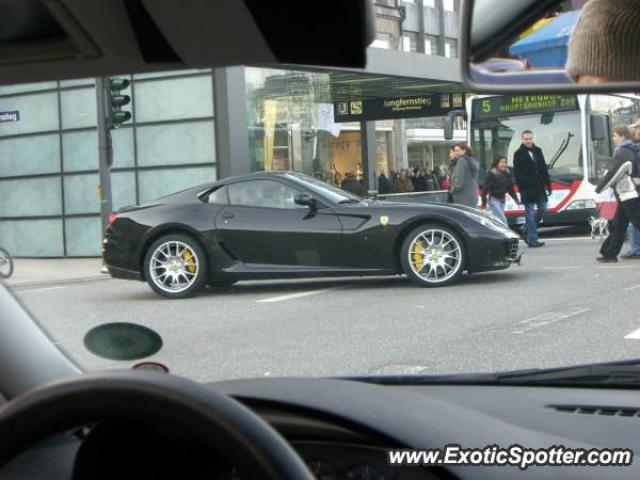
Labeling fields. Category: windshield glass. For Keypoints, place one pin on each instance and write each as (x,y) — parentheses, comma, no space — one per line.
(270,263)
(557,133)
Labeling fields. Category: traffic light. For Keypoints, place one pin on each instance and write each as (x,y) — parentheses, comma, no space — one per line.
(115,102)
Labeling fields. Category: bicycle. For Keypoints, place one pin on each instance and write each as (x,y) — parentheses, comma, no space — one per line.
(6,264)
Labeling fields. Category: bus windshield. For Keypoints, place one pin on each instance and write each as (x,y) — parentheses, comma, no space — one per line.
(557,133)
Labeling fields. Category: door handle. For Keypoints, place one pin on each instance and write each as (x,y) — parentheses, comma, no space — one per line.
(226,216)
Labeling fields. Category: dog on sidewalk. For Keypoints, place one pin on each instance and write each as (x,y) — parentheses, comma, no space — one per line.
(599,227)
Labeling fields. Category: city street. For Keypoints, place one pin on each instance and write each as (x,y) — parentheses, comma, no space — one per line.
(559,308)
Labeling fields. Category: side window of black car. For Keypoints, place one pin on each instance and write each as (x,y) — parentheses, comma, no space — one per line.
(263,193)
(218,196)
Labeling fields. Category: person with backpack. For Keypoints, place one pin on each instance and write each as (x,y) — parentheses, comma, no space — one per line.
(496,187)
(619,178)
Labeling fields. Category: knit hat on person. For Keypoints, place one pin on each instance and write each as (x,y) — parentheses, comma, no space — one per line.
(604,42)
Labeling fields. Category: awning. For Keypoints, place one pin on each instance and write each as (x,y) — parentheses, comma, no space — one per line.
(547,46)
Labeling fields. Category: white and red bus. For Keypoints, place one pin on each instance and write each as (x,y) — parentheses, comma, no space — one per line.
(574,132)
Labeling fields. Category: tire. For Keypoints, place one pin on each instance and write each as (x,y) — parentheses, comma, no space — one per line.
(175,266)
(6,264)
(449,256)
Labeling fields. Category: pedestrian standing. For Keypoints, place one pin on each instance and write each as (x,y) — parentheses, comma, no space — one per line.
(384,185)
(634,242)
(352,185)
(464,179)
(403,183)
(534,183)
(496,187)
(619,178)
(420,181)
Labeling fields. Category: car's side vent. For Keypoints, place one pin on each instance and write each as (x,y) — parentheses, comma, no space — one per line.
(597,410)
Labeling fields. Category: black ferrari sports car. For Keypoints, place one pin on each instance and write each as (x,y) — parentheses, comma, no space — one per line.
(281,225)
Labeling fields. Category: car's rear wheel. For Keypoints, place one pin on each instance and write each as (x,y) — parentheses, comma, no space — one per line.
(175,266)
(433,255)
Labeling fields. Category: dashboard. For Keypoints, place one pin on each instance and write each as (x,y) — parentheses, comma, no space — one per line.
(343,429)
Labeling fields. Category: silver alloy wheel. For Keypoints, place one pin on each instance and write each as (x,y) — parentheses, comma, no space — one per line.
(174,266)
(435,255)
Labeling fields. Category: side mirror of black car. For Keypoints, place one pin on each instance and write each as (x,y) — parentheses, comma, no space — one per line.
(306,200)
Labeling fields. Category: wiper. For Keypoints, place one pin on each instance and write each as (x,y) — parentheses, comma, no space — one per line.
(626,372)
(619,373)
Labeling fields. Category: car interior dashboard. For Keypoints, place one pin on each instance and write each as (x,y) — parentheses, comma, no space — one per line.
(343,429)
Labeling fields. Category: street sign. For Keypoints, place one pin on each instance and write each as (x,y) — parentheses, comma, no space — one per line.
(396,108)
(12,116)
(509,105)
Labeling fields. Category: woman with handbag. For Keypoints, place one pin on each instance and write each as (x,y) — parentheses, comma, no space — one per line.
(619,178)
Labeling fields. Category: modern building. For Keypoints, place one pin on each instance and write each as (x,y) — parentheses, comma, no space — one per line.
(189,127)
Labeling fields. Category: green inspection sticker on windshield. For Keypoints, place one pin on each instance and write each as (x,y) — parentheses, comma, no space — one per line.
(122,341)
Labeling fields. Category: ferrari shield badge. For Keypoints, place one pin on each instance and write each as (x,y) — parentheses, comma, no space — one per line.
(384,220)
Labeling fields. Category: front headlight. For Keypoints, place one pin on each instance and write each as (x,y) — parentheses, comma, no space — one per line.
(488,220)
(582,204)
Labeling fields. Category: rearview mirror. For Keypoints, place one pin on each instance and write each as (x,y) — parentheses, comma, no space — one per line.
(600,129)
(536,46)
(305,200)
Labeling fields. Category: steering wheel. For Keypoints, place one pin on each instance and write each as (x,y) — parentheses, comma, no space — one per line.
(219,422)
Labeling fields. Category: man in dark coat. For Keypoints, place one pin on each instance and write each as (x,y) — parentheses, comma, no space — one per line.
(384,184)
(352,185)
(532,177)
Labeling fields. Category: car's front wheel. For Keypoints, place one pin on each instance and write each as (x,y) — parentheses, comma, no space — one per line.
(175,266)
(433,255)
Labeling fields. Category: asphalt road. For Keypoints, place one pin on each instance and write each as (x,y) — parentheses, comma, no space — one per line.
(559,308)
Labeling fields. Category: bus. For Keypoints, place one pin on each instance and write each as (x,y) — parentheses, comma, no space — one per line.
(574,133)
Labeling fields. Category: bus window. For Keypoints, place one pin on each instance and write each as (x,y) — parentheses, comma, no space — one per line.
(557,133)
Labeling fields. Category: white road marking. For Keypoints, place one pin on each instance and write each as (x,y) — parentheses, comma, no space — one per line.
(42,289)
(293,296)
(548,318)
(560,267)
(635,335)
(635,287)
(617,267)
(565,239)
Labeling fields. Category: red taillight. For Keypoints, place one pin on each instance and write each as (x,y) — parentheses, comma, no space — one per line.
(112,218)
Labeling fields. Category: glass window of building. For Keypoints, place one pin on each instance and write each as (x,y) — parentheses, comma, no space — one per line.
(431,45)
(448,5)
(410,41)
(451,48)
(430,3)
(49,168)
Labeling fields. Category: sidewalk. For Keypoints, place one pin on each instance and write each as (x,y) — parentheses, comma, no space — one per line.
(36,272)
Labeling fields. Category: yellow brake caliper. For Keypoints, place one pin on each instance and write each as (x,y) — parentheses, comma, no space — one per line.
(417,255)
(188,257)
